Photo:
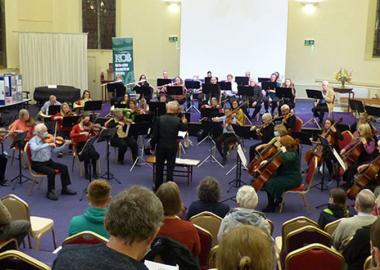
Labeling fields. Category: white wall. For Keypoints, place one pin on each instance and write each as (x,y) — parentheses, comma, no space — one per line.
(227,36)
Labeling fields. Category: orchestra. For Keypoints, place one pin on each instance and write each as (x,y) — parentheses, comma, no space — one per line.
(275,149)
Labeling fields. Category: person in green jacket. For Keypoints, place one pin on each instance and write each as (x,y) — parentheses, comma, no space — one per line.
(99,197)
(287,176)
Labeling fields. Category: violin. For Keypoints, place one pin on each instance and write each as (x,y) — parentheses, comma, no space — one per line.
(267,170)
(58,140)
(363,179)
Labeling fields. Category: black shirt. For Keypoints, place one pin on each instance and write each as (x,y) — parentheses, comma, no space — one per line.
(89,257)
(218,208)
(165,131)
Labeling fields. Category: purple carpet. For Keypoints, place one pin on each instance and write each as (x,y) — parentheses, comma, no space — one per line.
(62,210)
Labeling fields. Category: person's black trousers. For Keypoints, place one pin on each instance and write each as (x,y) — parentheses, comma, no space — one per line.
(163,154)
(48,168)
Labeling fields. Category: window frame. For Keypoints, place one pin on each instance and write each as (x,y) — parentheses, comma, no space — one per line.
(3,64)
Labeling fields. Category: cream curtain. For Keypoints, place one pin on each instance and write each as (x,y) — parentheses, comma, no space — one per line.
(53,59)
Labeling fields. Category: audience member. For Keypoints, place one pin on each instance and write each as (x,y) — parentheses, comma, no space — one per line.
(12,228)
(375,243)
(364,203)
(133,220)
(245,213)
(336,208)
(209,195)
(173,227)
(99,197)
(245,248)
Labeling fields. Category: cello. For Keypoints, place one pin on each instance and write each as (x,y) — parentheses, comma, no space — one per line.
(268,152)
(364,178)
(266,170)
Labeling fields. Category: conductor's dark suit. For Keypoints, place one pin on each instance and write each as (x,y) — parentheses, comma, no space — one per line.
(165,139)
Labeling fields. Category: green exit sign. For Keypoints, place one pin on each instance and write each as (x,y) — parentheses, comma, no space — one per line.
(173,38)
(309,42)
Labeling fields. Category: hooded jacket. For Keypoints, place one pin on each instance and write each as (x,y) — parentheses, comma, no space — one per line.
(91,220)
(240,216)
(331,213)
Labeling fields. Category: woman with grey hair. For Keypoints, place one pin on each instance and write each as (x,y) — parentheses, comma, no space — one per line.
(265,133)
(209,195)
(245,213)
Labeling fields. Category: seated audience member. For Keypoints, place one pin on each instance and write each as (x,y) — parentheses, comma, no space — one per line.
(209,195)
(376,209)
(364,203)
(52,101)
(99,197)
(245,248)
(245,213)
(336,208)
(375,243)
(12,229)
(133,220)
(173,227)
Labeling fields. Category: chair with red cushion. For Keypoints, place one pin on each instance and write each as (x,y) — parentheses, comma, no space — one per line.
(347,139)
(298,125)
(304,188)
(316,257)
(85,237)
(205,238)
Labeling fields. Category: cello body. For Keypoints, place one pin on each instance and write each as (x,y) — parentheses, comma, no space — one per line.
(265,154)
(266,171)
(352,154)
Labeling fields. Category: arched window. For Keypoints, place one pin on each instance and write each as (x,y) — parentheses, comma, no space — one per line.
(3,58)
(98,20)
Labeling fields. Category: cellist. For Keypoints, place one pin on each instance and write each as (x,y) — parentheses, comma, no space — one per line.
(362,168)
(366,144)
(265,133)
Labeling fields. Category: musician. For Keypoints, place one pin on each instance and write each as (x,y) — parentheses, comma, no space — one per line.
(270,96)
(165,75)
(248,74)
(163,98)
(289,101)
(214,104)
(180,98)
(121,140)
(132,110)
(58,118)
(234,86)
(143,82)
(364,118)
(288,175)
(143,106)
(363,167)
(257,99)
(214,81)
(367,144)
(86,96)
(80,133)
(228,137)
(164,139)
(265,133)
(42,162)
(52,101)
(240,116)
(288,118)
(24,123)
(326,104)
(279,131)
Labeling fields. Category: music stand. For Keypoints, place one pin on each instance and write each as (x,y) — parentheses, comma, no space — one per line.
(70,121)
(157,108)
(210,90)
(161,82)
(225,86)
(240,80)
(245,91)
(240,160)
(140,129)
(106,135)
(93,105)
(143,90)
(87,145)
(284,92)
(371,110)
(241,132)
(265,85)
(262,79)
(192,84)
(317,95)
(326,149)
(207,114)
(356,106)
(207,80)
(117,88)
(54,109)
(19,144)
(174,90)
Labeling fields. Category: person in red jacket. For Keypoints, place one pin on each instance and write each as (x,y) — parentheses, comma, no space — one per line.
(58,118)
(174,227)
(80,133)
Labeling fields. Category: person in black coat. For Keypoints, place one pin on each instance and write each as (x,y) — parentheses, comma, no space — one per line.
(209,195)
(257,99)
(265,133)
(165,141)
(358,249)
(336,208)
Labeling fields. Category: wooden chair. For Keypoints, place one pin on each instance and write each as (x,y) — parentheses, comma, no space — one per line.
(8,244)
(330,227)
(206,245)
(271,226)
(210,222)
(17,260)
(314,256)
(304,188)
(19,209)
(85,237)
(37,177)
(212,257)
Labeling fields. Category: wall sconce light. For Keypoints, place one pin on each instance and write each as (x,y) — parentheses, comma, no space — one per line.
(173,5)
(309,6)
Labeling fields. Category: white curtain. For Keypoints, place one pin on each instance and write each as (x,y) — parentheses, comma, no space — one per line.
(53,59)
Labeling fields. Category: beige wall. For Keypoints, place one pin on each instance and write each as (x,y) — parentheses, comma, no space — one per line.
(342,30)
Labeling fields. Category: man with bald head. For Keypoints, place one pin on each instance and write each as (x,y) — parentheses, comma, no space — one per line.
(164,141)
(364,203)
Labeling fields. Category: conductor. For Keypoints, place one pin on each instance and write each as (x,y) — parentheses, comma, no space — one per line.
(165,141)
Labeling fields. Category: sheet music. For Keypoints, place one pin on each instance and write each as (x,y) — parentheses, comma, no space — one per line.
(242,156)
(339,159)
(159,266)
(52,86)
(182,134)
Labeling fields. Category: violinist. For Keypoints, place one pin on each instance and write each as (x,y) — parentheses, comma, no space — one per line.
(24,123)
(80,133)
(270,97)
(288,175)
(257,99)
(214,104)
(228,137)
(288,118)
(132,110)
(290,101)
(58,117)
(86,96)
(121,140)
(265,133)
(366,144)
(240,116)
(143,106)
(42,162)
(124,102)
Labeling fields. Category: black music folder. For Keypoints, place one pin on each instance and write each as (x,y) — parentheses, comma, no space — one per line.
(161,82)
(242,80)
